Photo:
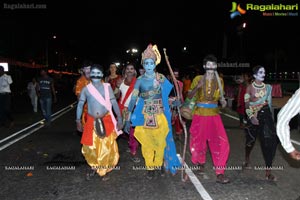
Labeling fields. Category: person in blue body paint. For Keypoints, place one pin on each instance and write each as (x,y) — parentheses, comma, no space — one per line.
(151,117)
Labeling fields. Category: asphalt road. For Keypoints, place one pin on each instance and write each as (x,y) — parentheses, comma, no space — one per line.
(48,164)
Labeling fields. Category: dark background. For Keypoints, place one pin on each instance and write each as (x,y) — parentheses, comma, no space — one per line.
(103,30)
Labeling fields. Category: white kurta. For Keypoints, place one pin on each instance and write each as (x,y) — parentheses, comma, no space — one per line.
(287,112)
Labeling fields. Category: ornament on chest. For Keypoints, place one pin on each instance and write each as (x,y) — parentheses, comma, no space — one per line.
(260,90)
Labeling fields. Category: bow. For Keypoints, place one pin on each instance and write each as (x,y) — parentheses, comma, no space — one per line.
(179,114)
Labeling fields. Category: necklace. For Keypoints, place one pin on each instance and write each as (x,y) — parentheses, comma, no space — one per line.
(209,89)
(259,90)
(261,86)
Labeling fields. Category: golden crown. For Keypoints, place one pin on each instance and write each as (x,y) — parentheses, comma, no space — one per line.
(151,52)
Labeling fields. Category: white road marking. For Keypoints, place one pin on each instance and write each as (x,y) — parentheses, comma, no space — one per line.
(20,138)
(199,187)
(295,142)
(41,122)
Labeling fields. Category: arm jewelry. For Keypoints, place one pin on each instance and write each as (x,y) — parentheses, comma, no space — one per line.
(250,113)
(247,98)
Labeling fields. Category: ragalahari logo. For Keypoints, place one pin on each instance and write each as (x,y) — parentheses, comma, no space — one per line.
(236,10)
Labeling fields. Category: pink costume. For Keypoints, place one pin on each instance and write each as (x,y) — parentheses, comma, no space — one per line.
(207,126)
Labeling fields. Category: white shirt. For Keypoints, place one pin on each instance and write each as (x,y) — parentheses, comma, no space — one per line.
(31,87)
(123,89)
(5,81)
(287,112)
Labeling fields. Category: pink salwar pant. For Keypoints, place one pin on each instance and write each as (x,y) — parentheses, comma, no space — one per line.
(209,129)
(133,143)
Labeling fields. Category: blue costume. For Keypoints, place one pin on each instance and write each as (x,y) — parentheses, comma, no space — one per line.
(172,162)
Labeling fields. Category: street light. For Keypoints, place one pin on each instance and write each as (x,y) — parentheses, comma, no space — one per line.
(47,50)
(132,51)
(240,31)
(244,25)
(184,49)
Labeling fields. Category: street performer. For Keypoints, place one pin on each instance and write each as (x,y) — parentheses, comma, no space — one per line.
(152,116)
(99,146)
(258,104)
(207,125)
(125,90)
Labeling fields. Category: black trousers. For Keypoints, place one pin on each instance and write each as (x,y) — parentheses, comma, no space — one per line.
(5,108)
(267,134)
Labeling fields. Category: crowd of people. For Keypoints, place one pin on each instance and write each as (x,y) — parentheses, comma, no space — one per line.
(141,105)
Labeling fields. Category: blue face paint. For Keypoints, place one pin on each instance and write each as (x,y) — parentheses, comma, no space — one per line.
(149,65)
(96,75)
(96,80)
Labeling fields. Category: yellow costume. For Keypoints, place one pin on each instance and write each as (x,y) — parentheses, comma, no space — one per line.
(211,95)
(153,141)
(100,154)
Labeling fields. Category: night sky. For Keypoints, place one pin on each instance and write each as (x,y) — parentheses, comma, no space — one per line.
(103,30)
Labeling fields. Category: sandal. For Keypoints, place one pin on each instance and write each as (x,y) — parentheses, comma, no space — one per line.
(135,159)
(105,178)
(271,177)
(222,179)
(162,171)
(201,169)
(150,174)
(90,174)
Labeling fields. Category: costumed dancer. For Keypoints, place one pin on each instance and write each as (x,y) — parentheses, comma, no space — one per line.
(207,125)
(258,104)
(99,145)
(126,89)
(152,116)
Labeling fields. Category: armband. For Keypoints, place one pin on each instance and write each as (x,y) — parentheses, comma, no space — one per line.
(160,77)
(249,113)
(247,97)
(135,92)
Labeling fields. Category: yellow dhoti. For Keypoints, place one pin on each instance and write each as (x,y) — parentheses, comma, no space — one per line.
(153,141)
(103,155)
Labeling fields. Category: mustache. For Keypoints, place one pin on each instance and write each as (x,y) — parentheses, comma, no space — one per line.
(214,69)
(96,77)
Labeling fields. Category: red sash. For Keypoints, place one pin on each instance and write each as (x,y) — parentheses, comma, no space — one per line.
(129,91)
